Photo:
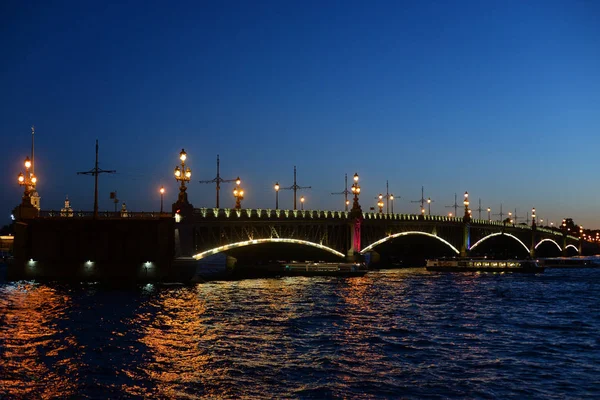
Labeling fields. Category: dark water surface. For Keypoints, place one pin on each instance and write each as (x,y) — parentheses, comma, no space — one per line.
(391,334)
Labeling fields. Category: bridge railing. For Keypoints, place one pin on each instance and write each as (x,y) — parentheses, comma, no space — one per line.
(51,214)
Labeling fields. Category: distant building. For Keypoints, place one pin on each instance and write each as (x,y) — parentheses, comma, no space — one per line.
(124,210)
(66,211)
(6,243)
(35,198)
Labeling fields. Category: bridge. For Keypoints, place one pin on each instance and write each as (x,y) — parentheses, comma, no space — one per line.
(333,235)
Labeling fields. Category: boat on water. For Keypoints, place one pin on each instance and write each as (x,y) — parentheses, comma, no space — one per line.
(571,262)
(483,265)
(323,269)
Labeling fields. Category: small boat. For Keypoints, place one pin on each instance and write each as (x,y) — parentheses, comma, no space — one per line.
(571,262)
(323,269)
(483,265)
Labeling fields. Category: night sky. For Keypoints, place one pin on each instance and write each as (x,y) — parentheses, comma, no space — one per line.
(501,99)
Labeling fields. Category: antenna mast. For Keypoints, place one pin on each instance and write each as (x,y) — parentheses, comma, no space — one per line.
(500,214)
(455,205)
(422,200)
(295,187)
(346,192)
(218,180)
(95,171)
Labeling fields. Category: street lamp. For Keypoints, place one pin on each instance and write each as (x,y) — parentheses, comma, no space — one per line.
(392,200)
(489,210)
(277,195)
(429,205)
(302,203)
(356,191)
(380,203)
(533,217)
(182,175)
(28,180)
(162,192)
(467,216)
(238,193)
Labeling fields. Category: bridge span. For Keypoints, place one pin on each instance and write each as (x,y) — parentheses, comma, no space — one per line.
(391,236)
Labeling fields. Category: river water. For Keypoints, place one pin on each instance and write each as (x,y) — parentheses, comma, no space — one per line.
(391,334)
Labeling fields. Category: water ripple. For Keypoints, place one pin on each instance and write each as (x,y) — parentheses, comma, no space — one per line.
(390,334)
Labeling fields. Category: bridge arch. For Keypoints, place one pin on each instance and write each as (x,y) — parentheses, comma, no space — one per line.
(395,235)
(573,246)
(226,247)
(548,240)
(498,234)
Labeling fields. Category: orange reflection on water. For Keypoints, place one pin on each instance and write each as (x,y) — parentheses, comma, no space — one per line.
(172,337)
(31,344)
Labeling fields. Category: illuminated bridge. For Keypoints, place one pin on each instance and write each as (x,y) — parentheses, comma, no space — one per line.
(261,234)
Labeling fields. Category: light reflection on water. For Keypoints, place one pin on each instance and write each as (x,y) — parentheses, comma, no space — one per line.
(395,333)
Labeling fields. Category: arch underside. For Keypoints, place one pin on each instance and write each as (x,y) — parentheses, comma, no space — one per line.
(503,234)
(396,235)
(521,242)
(254,242)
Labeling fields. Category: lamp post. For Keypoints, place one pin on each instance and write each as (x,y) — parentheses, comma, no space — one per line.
(510,220)
(489,210)
(238,193)
(162,192)
(356,191)
(380,203)
(28,180)
(182,175)
(276,187)
(467,216)
(533,217)
(302,203)
(392,200)
(429,205)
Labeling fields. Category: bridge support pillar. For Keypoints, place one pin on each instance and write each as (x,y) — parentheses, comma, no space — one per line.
(355,232)
(466,242)
(184,229)
(533,239)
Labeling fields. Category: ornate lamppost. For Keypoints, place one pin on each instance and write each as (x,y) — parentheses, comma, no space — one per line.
(533,217)
(277,195)
(238,193)
(356,191)
(355,219)
(28,180)
(467,216)
(162,192)
(429,205)
(302,203)
(380,203)
(182,175)
(392,200)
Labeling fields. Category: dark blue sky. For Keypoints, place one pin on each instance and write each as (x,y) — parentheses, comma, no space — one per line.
(498,98)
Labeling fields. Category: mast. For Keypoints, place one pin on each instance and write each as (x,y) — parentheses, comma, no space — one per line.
(32,147)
